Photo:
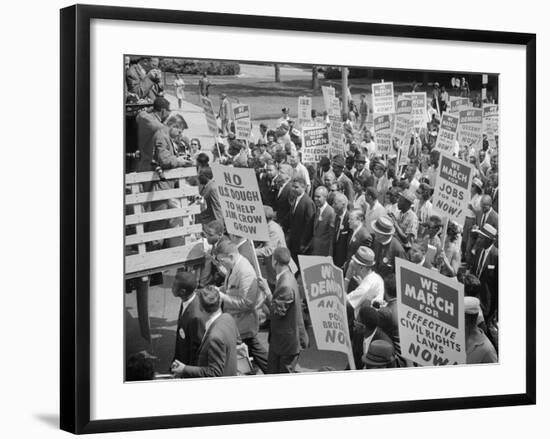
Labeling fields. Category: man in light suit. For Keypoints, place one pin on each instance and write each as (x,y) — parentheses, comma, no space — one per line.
(359,234)
(136,76)
(287,334)
(323,224)
(265,251)
(218,350)
(302,214)
(191,319)
(240,299)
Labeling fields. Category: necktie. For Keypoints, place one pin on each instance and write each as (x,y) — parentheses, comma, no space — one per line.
(480,263)
(338,227)
(483,219)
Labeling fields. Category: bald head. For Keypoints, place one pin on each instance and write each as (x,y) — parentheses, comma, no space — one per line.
(320,196)
(340,203)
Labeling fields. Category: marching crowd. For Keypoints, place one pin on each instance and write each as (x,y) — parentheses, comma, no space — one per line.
(362,209)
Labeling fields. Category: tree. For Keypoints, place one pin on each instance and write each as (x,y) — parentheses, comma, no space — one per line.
(277,72)
(314,78)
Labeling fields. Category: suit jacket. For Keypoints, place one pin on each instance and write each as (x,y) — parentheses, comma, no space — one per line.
(267,190)
(213,209)
(342,235)
(362,237)
(217,352)
(385,255)
(301,226)
(281,205)
(135,76)
(488,277)
(241,289)
(323,232)
(492,219)
(189,333)
(148,124)
(287,334)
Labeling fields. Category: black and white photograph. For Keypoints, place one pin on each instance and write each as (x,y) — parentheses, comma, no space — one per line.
(286,218)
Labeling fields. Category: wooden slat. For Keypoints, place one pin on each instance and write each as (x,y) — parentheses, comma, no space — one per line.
(162,234)
(138,209)
(147,217)
(146,197)
(163,258)
(169,174)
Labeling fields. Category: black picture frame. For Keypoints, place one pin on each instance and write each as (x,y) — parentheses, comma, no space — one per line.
(75,217)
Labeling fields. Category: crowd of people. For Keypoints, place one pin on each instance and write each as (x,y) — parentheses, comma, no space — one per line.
(361,208)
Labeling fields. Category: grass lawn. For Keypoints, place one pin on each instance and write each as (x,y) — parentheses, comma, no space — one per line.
(267,97)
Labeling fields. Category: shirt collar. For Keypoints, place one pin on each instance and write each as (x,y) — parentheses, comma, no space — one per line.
(212,319)
(280,274)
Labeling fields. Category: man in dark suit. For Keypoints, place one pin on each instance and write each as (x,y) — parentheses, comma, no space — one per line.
(287,334)
(211,271)
(218,350)
(266,183)
(386,246)
(485,268)
(211,201)
(302,214)
(281,204)
(359,235)
(365,331)
(341,230)
(338,165)
(191,319)
(323,224)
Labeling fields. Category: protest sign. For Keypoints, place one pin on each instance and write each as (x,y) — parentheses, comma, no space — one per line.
(430,309)
(326,300)
(241,202)
(382,134)
(315,144)
(382,98)
(446,136)
(206,105)
(336,131)
(334,109)
(304,110)
(328,94)
(242,121)
(470,128)
(419,115)
(452,188)
(459,104)
(401,127)
(490,119)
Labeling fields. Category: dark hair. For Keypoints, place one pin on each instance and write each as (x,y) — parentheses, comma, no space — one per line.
(472,285)
(205,175)
(203,159)
(216,226)
(371,192)
(185,281)
(368,316)
(452,231)
(139,368)
(426,190)
(209,298)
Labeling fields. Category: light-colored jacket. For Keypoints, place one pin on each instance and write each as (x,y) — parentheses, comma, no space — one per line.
(240,301)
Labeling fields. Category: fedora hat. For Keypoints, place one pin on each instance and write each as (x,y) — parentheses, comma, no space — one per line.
(488,231)
(364,256)
(380,353)
(383,225)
